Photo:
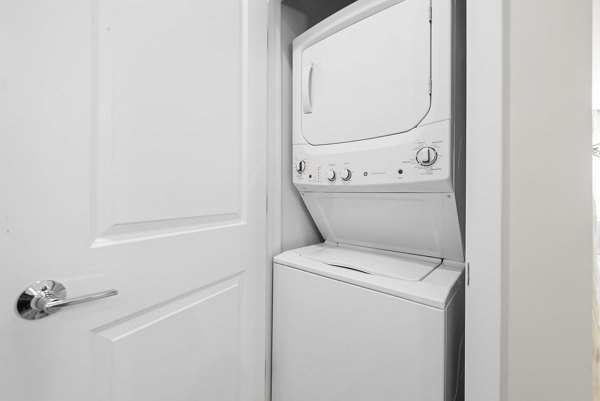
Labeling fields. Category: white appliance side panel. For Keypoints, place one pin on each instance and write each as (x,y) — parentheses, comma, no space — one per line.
(369,79)
(417,223)
(337,341)
(455,346)
(442,69)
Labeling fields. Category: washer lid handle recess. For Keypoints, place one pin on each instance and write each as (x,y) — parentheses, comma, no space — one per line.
(409,268)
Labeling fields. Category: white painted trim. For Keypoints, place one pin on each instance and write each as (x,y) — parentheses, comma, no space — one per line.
(484,199)
(274,127)
(274,164)
(595,55)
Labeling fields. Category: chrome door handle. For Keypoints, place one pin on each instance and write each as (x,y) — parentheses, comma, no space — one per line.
(50,304)
(48,296)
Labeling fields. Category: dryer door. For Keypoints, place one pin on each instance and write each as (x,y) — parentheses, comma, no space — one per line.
(365,79)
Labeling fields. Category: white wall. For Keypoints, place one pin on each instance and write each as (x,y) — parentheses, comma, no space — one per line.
(533,108)
(596,56)
(297,227)
(596,99)
(548,247)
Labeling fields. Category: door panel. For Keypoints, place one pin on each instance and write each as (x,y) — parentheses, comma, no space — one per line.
(138,352)
(168,116)
(127,139)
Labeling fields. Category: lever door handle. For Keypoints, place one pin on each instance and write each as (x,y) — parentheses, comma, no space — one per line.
(45,297)
(51,304)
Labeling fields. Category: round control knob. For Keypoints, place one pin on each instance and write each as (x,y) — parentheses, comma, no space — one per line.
(331,175)
(346,174)
(300,166)
(426,156)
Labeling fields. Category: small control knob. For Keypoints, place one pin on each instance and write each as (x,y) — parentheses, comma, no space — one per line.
(426,156)
(300,166)
(331,175)
(346,174)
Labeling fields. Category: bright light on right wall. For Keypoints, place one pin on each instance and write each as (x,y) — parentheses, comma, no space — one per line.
(596,190)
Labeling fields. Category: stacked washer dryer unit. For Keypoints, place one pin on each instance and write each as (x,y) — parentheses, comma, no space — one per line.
(376,312)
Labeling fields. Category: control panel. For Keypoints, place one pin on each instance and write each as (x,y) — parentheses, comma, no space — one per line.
(424,164)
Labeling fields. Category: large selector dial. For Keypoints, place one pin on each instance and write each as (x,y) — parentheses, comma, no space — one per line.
(346,174)
(300,166)
(426,156)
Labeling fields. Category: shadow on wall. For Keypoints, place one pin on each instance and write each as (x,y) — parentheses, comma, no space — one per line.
(317,10)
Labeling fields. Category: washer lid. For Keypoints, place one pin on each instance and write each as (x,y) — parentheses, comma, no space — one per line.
(385,264)
(357,80)
(437,289)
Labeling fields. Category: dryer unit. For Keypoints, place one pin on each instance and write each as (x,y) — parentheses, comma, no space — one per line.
(377,311)
(379,123)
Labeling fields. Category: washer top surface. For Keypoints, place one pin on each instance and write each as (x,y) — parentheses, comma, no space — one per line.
(425,280)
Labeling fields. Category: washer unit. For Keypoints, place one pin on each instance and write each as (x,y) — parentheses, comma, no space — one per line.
(377,311)
(354,325)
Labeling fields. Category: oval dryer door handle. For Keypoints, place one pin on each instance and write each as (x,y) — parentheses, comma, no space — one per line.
(307,89)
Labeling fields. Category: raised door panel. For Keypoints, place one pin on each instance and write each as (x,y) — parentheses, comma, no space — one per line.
(168,107)
(185,349)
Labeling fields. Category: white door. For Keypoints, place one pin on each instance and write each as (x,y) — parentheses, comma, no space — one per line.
(132,157)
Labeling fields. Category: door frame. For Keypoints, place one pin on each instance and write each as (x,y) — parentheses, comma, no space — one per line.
(274,167)
(484,199)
